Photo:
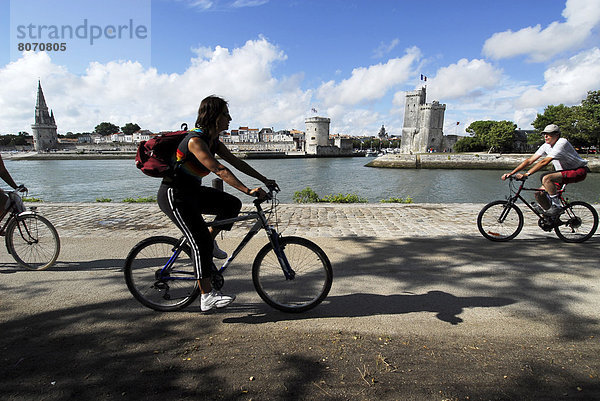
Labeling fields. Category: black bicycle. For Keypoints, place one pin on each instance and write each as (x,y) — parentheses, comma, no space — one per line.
(291,274)
(30,238)
(502,220)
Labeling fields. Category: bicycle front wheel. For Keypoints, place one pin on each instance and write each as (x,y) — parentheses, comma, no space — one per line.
(577,223)
(500,221)
(32,241)
(157,285)
(312,279)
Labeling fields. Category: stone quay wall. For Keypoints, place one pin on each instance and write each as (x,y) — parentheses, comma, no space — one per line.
(487,161)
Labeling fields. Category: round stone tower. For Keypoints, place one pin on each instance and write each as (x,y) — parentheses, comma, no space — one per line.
(317,134)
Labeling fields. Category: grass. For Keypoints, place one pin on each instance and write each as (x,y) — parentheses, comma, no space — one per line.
(308,195)
(150,199)
(31,199)
(408,199)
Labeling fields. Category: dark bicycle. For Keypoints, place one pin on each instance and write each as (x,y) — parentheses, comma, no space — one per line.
(291,274)
(30,238)
(502,220)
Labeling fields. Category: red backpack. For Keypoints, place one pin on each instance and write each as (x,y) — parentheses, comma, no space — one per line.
(156,157)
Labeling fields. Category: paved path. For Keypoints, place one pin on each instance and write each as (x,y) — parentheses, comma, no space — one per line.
(315,220)
(422,307)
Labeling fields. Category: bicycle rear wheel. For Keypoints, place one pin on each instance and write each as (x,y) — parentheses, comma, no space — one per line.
(577,223)
(310,285)
(33,241)
(500,221)
(154,286)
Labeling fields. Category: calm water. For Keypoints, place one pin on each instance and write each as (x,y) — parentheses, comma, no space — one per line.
(88,180)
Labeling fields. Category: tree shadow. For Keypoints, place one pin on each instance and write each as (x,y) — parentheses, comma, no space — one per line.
(110,349)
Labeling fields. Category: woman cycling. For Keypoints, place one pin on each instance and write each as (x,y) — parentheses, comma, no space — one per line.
(184,199)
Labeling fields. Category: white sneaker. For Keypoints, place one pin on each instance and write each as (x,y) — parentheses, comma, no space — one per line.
(218,252)
(215,299)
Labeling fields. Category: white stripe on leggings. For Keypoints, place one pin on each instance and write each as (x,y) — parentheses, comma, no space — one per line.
(187,233)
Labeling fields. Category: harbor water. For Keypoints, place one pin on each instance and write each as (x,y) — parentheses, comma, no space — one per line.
(90,180)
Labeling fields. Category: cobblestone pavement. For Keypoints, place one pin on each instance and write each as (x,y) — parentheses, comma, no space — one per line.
(309,220)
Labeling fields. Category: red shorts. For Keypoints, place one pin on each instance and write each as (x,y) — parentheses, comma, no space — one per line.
(571,176)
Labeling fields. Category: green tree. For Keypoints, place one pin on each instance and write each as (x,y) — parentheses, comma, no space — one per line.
(480,129)
(560,115)
(468,144)
(588,118)
(501,136)
(106,128)
(579,124)
(21,139)
(130,128)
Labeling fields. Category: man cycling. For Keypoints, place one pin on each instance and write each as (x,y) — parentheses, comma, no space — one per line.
(569,166)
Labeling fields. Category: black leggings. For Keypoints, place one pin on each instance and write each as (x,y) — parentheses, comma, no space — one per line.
(186,206)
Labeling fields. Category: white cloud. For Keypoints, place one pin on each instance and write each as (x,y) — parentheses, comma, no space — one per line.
(122,92)
(248,3)
(581,17)
(369,83)
(524,117)
(465,78)
(205,5)
(201,4)
(566,82)
(385,48)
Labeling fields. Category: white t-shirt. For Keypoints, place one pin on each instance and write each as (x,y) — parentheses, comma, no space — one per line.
(564,156)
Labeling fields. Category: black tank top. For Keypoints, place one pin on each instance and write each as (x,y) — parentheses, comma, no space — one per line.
(190,170)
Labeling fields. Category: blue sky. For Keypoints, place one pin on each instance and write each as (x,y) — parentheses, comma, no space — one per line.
(275,60)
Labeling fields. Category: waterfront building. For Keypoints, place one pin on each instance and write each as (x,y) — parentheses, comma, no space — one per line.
(318,141)
(423,124)
(317,134)
(45,136)
(248,134)
(141,135)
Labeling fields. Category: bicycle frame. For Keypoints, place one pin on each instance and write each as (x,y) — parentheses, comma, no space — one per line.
(261,223)
(12,214)
(517,196)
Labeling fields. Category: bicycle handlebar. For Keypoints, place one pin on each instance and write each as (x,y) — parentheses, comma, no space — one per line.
(273,189)
(512,177)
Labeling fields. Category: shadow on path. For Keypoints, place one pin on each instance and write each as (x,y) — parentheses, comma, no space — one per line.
(446,306)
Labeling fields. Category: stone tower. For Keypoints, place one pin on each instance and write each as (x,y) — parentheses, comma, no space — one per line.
(44,128)
(423,124)
(317,134)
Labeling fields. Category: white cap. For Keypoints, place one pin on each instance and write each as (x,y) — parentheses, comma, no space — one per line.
(551,129)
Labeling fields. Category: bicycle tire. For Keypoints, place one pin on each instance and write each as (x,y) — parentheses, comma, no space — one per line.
(171,292)
(32,241)
(312,281)
(490,226)
(577,223)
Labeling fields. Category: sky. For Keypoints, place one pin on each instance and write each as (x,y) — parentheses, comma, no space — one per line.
(276,62)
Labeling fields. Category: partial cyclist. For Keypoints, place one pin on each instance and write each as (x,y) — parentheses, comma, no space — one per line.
(5,175)
(568,165)
(184,199)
